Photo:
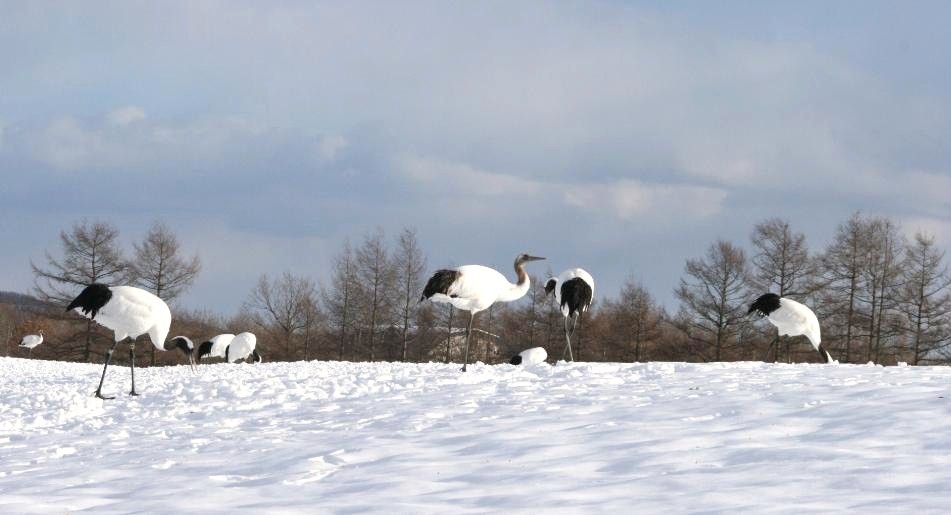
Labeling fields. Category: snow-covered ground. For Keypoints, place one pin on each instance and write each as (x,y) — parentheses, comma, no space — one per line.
(406,438)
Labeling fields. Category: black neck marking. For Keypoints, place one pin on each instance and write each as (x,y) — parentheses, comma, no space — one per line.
(765,304)
(91,299)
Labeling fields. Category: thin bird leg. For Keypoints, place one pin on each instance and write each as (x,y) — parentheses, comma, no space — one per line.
(568,339)
(577,324)
(104,367)
(770,347)
(132,360)
(465,360)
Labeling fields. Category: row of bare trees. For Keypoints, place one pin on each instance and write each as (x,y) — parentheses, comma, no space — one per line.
(879,297)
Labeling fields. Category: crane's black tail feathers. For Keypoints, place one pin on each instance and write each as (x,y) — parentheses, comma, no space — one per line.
(91,299)
(439,283)
(204,349)
(516,359)
(576,294)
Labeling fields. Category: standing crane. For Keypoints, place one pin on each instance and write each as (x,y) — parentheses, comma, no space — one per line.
(31,340)
(573,290)
(130,312)
(474,288)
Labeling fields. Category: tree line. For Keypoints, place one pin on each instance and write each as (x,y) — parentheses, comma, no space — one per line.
(879,297)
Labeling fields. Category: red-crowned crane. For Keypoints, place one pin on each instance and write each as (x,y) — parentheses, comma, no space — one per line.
(241,347)
(529,357)
(184,344)
(474,288)
(573,290)
(214,347)
(792,319)
(31,340)
(130,312)
(228,346)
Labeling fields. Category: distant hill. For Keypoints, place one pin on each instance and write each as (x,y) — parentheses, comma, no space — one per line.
(25,302)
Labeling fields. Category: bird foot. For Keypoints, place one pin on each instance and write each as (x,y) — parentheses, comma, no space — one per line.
(132,393)
(463,369)
(99,394)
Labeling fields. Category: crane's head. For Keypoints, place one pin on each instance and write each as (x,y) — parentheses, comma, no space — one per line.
(764,305)
(525,258)
(184,344)
(550,286)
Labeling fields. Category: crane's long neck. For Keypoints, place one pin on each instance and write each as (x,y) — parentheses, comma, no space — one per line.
(519,289)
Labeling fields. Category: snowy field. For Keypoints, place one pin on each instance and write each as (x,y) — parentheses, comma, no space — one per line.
(405,438)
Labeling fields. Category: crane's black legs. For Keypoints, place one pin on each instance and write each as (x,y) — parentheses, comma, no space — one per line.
(104,367)
(770,347)
(465,360)
(132,364)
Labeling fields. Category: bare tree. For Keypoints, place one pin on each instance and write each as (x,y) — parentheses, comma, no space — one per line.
(781,261)
(284,304)
(881,271)
(90,255)
(635,318)
(842,268)
(376,276)
(340,298)
(159,267)
(712,298)
(409,263)
(925,300)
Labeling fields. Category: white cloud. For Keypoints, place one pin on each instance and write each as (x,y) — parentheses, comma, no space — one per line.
(329,146)
(630,200)
(125,115)
(624,199)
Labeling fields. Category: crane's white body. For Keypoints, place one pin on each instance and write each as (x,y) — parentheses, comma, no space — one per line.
(566,276)
(132,312)
(794,319)
(31,340)
(219,344)
(533,356)
(478,287)
(241,347)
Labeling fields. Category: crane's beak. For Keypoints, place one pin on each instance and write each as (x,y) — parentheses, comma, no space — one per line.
(533,258)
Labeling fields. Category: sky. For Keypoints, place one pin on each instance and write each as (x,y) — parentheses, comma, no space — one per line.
(622,137)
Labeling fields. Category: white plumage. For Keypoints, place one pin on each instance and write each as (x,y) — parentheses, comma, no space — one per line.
(218,346)
(566,276)
(791,318)
(529,357)
(31,340)
(241,347)
(474,288)
(573,290)
(794,319)
(130,312)
(478,287)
